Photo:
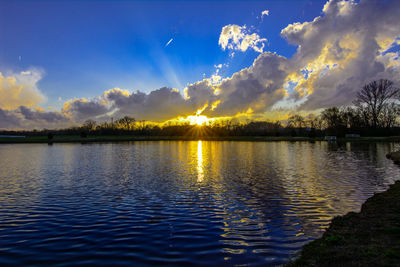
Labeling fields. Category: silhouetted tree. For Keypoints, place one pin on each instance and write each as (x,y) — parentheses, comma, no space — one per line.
(296,121)
(375,102)
(332,117)
(89,125)
(318,123)
(389,114)
(127,122)
(142,125)
(351,118)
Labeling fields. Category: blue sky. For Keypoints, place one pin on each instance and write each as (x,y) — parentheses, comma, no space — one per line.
(87,47)
(64,62)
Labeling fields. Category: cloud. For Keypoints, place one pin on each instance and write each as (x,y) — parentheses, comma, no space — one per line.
(252,88)
(40,115)
(169,42)
(82,109)
(27,118)
(342,50)
(19,97)
(265,13)
(9,119)
(257,87)
(159,105)
(338,52)
(18,89)
(235,37)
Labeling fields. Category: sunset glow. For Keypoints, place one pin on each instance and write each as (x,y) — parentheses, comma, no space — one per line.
(199,133)
(261,56)
(197,120)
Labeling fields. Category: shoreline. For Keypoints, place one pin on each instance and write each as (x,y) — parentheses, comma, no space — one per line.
(101,139)
(367,238)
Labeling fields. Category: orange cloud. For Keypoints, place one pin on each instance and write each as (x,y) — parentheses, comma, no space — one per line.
(20,90)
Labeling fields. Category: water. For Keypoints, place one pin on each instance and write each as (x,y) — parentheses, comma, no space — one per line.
(179,203)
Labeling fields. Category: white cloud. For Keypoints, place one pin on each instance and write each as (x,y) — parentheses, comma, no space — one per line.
(235,37)
(265,13)
(342,50)
(17,89)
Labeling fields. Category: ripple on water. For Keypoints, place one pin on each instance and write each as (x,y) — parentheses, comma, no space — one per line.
(178,203)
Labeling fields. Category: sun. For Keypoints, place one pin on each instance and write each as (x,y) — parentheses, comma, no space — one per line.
(197,120)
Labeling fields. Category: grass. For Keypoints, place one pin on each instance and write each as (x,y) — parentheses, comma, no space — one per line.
(368,238)
(123,138)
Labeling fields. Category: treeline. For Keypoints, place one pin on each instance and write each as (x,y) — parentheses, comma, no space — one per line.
(374,113)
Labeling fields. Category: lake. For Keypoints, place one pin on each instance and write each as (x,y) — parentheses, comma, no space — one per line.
(179,202)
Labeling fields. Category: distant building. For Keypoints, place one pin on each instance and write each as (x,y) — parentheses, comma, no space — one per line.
(352,135)
(330,138)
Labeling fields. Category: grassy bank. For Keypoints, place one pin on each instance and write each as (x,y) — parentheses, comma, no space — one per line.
(395,156)
(368,238)
(124,138)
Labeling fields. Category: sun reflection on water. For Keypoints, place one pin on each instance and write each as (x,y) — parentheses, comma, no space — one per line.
(200,169)
(239,202)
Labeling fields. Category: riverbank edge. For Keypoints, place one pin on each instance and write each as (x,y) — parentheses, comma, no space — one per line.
(100,139)
(370,237)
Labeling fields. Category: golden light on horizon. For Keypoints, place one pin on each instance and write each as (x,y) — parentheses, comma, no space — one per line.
(197,120)
(202,120)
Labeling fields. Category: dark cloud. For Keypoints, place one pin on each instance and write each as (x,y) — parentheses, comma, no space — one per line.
(82,109)
(35,115)
(257,87)
(159,105)
(9,119)
(26,118)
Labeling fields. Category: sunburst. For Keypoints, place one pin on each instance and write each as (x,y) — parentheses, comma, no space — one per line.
(198,120)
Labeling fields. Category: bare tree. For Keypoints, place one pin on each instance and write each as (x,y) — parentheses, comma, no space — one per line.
(127,122)
(389,115)
(374,101)
(89,125)
(333,118)
(296,121)
(351,117)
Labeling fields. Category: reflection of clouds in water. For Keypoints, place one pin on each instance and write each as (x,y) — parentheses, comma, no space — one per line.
(239,202)
(200,167)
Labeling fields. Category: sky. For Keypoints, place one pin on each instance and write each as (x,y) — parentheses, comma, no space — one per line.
(64,62)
